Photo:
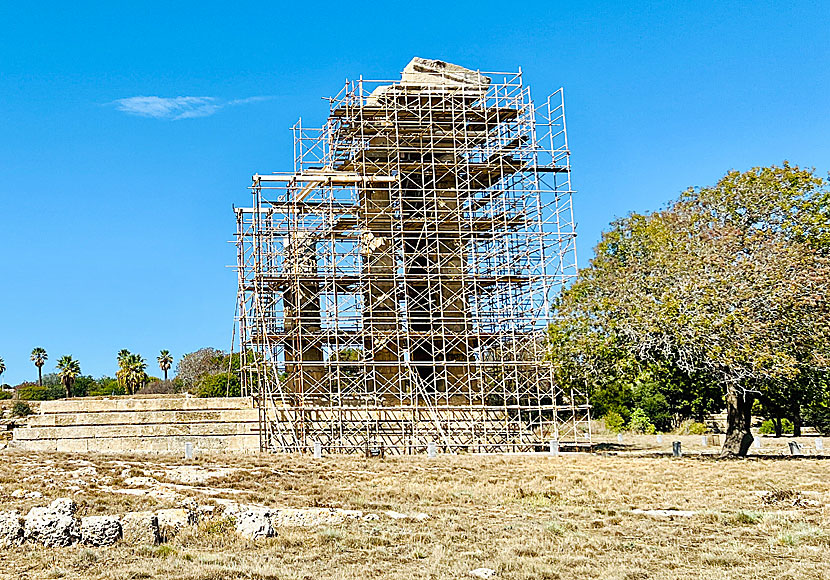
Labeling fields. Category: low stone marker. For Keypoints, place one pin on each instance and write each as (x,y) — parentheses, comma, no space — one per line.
(188,450)
(756,442)
(619,438)
(554,447)
(703,440)
(819,444)
(432,449)
(659,439)
(795,448)
(676,449)
(318,450)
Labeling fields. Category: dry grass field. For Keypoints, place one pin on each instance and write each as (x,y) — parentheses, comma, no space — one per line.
(527,517)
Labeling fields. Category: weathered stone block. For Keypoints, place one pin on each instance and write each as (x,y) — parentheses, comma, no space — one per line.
(43,525)
(140,528)
(255,524)
(11,529)
(100,530)
(171,521)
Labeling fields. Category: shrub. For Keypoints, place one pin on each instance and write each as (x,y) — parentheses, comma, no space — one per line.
(818,417)
(614,422)
(158,388)
(219,385)
(106,386)
(690,427)
(4,394)
(21,409)
(768,427)
(33,392)
(640,422)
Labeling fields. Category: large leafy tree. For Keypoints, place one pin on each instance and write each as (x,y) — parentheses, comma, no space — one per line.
(729,283)
(68,371)
(165,360)
(2,366)
(39,357)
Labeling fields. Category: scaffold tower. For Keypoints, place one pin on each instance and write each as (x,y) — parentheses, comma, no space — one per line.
(395,288)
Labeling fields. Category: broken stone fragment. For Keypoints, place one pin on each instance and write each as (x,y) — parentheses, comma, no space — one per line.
(64,505)
(171,521)
(140,528)
(255,524)
(45,526)
(100,530)
(429,72)
(11,529)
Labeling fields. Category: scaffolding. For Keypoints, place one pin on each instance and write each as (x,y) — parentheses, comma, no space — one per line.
(396,286)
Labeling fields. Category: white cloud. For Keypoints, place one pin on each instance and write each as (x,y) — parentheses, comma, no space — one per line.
(175,108)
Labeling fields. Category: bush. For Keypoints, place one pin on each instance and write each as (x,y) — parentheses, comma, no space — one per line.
(32,392)
(768,427)
(4,394)
(219,385)
(21,409)
(614,422)
(690,427)
(106,386)
(158,388)
(640,422)
(818,417)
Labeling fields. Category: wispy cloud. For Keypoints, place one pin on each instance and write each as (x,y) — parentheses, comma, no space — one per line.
(176,108)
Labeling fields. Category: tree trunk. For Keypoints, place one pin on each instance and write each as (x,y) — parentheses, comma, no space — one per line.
(68,386)
(779,429)
(40,376)
(738,419)
(797,422)
(165,375)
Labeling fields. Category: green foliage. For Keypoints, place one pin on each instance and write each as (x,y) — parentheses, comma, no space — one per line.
(32,392)
(219,385)
(819,417)
(640,422)
(614,422)
(768,427)
(21,409)
(4,394)
(692,428)
(106,386)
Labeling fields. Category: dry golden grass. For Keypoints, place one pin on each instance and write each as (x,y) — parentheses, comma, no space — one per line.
(526,517)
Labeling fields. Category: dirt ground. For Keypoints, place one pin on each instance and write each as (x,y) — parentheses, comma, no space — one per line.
(526,517)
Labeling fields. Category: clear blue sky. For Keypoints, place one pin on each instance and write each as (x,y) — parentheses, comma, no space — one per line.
(113,226)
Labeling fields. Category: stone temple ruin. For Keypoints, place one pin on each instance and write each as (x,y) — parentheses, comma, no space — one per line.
(395,287)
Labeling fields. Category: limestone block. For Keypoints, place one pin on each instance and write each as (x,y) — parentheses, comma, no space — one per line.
(140,528)
(171,521)
(11,529)
(64,505)
(424,71)
(100,530)
(255,524)
(43,525)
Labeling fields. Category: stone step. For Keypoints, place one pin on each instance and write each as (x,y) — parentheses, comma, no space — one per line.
(170,444)
(144,417)
(173,403)
(146,431)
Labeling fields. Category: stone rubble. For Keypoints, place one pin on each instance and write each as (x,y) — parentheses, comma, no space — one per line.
(45,526)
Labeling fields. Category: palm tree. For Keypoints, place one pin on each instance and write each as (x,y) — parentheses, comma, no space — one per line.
(69,369)
(165,362)
(122,370)
(2,365)
(134,372)
(39,357)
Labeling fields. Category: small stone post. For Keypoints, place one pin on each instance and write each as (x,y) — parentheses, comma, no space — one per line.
(619,438)
(188,450)
(554,447)
(318,450)
(676,450)
(432,450)
(819,444)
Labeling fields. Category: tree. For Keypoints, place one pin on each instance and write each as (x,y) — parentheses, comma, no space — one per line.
(165,360)
(69,369)
(134,374)
(2,366)
(729,283)
(121,373)
(195,366)
(39,357)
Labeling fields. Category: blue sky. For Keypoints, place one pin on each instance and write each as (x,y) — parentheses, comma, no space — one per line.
(114,225)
